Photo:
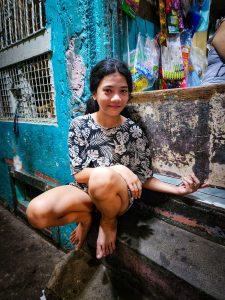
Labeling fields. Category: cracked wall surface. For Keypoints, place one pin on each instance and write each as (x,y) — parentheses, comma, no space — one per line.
(186,131)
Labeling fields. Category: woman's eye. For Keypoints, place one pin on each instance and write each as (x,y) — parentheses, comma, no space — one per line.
(124,92)
(107,91)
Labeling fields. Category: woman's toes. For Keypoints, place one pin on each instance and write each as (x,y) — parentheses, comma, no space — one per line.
(99,252)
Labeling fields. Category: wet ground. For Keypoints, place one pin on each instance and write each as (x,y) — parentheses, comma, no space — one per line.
(27,259)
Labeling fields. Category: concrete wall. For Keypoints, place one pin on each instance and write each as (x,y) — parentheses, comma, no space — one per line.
(82,33)
(185,128)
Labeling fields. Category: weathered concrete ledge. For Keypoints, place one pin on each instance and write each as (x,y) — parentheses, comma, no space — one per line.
(185,129)
(160,260)
(166,261)
(189,213)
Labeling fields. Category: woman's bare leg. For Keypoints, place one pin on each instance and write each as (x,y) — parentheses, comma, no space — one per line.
(60,206)
(109,193)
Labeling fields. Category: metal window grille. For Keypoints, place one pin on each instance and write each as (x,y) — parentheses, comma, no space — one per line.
(26,91)
(20,19)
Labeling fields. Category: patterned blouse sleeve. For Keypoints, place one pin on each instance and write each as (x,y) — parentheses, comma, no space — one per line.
(77,148)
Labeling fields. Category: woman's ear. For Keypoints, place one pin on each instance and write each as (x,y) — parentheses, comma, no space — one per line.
(94,96)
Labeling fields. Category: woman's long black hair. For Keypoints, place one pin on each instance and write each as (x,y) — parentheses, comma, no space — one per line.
(102,69)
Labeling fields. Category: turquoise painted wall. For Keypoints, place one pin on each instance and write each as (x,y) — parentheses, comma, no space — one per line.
(91,25)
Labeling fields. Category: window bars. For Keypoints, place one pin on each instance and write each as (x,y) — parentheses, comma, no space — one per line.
(26,91)
(20,19)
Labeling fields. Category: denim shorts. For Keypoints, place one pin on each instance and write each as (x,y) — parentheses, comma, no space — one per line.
(130,199)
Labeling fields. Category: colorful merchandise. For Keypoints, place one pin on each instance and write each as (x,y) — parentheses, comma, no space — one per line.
(202,8)
(172,62)
(146,64)
(173,22)
(163,24)
(168,6)
(185,39)
(130,7)
(180,65)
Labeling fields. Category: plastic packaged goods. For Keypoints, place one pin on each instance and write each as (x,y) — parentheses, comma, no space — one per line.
(176,4)
(134,4)
(185,39)
(168,6)
(163,24)
(172,62)
(130,7)
(173,22)
(202,8)
(193,20)
(197,66)
(146,63)
(185,7)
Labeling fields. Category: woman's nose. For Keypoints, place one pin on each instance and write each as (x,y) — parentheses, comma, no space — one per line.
(115,97)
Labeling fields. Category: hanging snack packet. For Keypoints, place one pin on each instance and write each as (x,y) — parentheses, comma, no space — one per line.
(176,4)
(163,25)
(134,4)
(172,62)
(146,64)
(186,39)
(130,7)
(173,22)
(193,20)
(185,6)
(199,61)
(168,6)
(180,20)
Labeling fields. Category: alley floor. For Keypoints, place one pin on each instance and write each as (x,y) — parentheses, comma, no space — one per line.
(26,259)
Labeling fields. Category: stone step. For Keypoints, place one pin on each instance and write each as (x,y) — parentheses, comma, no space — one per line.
(165,261)
(153,260)
(81,277)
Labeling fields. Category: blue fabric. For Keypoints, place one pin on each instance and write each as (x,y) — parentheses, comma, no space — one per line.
(215,72)
(202,8)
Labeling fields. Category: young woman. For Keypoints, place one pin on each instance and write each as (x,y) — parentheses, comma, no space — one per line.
(110,163)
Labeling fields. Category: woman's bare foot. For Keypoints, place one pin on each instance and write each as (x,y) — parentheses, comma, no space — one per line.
(78,236)
(106,238)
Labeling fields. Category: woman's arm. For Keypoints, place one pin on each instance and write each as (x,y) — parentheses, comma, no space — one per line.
(218,41)
(188,185)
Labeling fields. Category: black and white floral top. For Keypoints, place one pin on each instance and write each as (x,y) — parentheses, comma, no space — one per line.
(91,145)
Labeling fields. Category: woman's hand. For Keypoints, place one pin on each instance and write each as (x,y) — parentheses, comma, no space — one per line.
(190,184)
(131,179)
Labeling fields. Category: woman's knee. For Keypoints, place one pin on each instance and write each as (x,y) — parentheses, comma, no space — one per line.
(37,215)
(102,180)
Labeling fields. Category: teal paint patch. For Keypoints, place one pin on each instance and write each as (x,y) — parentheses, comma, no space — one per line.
(5,186)
(64,236)
(131,28)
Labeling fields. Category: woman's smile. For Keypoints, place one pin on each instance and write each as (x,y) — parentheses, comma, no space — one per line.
(114,106)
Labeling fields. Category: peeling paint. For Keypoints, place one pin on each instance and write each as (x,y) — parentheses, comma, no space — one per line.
(46,177)
(185,135)
(17,163)
(213,231)
(76,70)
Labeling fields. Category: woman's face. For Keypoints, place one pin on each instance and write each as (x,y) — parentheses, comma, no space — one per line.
(112,94)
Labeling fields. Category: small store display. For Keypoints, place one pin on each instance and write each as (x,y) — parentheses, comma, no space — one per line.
(170,59)
(145,64)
